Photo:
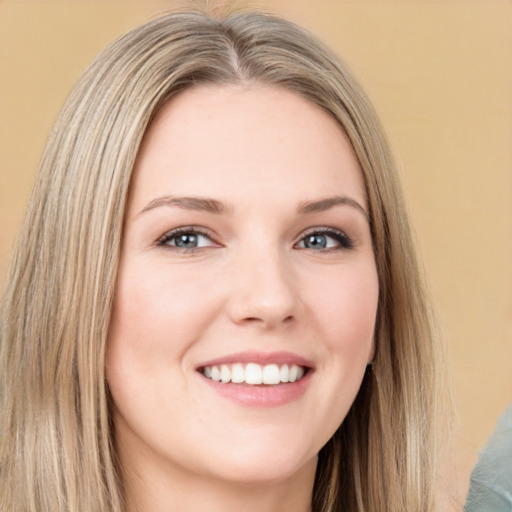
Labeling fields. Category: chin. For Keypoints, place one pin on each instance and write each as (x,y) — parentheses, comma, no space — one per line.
(262,463)
(265,471)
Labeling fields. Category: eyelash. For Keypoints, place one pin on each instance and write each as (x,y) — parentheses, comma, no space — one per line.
(186,230)
(344,241)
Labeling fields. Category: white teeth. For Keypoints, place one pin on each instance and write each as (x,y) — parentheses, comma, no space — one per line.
(237,374)
(215,373)
(254,374)
(284,372)
(271,374)
(225,374)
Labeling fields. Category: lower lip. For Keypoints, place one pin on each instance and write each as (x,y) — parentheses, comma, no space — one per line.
(262,395)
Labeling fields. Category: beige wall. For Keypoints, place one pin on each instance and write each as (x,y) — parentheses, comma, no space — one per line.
(440,75)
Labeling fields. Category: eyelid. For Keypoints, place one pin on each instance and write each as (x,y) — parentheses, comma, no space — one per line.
(344,240)
(161,241)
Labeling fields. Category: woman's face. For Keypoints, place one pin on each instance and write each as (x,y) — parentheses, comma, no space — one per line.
(247,262)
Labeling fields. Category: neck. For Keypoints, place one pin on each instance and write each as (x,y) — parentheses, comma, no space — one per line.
(148,490)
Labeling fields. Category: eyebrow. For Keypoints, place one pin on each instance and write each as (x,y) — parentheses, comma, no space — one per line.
(330,202)
(189,203)
(217,207)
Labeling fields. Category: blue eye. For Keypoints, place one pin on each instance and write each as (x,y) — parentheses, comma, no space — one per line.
(190,239)
(186,238)
(325,239)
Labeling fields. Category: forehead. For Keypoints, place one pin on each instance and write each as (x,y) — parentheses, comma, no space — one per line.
(235,140)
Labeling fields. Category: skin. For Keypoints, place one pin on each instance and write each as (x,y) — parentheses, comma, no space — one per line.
(253,284)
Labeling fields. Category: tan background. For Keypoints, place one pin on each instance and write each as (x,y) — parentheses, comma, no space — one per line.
(440,74)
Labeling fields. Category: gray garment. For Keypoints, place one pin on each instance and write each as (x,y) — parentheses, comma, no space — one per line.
(490,487)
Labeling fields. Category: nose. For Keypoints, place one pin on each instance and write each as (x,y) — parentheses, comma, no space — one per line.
(264,291)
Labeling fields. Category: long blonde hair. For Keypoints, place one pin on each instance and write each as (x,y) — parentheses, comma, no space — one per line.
(56,451)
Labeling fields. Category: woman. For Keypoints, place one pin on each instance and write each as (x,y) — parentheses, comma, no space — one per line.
(215,300)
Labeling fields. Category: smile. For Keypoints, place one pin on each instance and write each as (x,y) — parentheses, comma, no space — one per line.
(254,374)
(258,379)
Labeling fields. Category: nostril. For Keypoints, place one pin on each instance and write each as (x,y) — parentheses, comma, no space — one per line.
(255,319)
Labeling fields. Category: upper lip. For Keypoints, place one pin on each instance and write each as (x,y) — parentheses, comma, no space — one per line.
(263,358)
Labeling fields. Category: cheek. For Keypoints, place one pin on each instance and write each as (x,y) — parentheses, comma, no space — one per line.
(159,313)
(345,308)
(160,306)
(157,316)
